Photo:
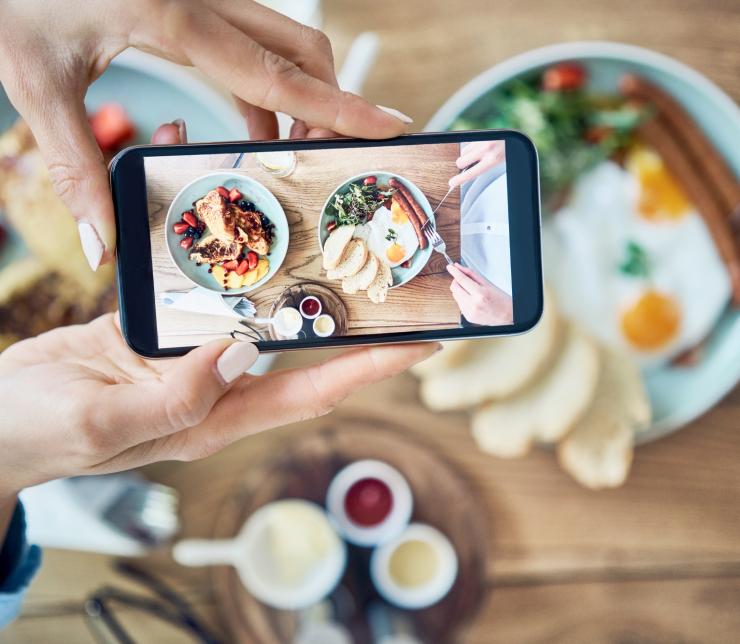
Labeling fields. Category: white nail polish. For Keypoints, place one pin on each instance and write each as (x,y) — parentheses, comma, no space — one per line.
(235,360)
(92,245)
(395,113)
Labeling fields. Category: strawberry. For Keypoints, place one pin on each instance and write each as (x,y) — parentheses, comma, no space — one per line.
(231,265)
(223,192)
(186,242)
(234,195)
(242,268)
(189,217)
(252,259)
(180,227)
(112,127)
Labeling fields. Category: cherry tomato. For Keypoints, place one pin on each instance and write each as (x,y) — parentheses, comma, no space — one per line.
(564,77)
(370,181)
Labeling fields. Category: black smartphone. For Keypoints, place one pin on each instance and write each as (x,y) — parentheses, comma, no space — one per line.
(328,242)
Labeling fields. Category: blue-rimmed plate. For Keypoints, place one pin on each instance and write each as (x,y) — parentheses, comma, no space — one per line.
(253,191)
(678,394)
(420,258)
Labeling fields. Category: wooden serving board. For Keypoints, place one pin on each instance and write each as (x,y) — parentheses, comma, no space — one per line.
(442,498)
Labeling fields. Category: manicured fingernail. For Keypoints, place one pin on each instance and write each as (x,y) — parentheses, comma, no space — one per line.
(181,129)
(235,360)
(92,245)
(395,113)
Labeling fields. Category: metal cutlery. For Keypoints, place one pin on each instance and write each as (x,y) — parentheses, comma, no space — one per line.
(438,244)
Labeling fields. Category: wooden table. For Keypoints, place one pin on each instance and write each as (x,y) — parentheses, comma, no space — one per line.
(302,195)
(657,560)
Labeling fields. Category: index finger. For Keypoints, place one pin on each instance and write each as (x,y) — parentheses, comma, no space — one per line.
(268,80)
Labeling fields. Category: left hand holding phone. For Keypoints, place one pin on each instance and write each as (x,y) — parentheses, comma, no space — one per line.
(52,50)
(78,401)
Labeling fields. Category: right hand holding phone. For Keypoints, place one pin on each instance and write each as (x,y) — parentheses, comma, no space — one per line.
(52,50)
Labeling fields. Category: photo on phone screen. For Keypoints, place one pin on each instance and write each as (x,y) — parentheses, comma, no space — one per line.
(325,243)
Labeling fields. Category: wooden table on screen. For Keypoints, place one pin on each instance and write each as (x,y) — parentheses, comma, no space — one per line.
(423,303)
(657,560)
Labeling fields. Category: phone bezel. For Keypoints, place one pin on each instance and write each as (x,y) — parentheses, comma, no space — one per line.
(134,258)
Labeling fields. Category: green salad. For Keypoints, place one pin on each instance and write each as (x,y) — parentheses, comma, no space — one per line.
(573,128)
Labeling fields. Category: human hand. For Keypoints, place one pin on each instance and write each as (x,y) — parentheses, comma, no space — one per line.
(52,50)
(480,301)
(484,154)
(78,401)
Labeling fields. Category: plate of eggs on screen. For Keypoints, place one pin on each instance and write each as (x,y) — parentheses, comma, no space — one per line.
(370,233)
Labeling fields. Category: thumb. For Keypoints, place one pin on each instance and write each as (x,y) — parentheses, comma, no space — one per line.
(181,397)
(77,170)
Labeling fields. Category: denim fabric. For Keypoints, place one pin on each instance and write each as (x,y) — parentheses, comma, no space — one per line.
(20,561)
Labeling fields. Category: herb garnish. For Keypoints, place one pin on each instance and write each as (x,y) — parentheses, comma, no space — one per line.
(636,262)
(360,201)
(391,236)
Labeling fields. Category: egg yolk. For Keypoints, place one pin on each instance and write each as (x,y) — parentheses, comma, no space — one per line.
(652,321)
(395,252)
(398,214)
(661,197)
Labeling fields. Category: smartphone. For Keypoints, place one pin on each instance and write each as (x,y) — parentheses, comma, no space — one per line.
(328,242)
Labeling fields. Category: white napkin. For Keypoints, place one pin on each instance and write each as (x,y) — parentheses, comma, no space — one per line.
(201,300)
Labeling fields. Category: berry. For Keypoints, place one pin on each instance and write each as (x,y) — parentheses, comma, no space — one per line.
(243,267)
(186,242)
(234,195)
(189,217)
(112,127)
(231,265)
(223,192)
(252,259)
(180,227)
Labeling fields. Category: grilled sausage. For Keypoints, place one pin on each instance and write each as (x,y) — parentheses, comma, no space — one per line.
(421,215)
(406,206)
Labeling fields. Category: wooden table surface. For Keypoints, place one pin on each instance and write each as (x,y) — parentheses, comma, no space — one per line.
(302,195)
(657,560)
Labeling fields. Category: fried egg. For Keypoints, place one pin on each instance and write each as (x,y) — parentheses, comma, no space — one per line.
(390,235)
(632,260)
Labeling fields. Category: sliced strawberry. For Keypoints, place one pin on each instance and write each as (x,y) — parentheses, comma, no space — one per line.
(180,227)
(112,127)
(189,217)
(231,265)
(252,259)
(186,242)
(243,267)
(234,195)
(223,192)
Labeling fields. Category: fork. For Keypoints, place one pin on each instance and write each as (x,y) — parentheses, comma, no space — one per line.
(438,244)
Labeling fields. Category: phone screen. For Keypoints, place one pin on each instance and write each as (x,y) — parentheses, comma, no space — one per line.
(315,244)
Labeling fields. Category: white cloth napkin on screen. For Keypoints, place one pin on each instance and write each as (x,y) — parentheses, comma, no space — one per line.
(201,300)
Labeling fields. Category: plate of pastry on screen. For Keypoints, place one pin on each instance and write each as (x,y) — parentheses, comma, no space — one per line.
(226,232)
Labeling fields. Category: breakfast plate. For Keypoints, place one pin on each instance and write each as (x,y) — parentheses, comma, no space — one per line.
(394,241)
(217,274)
(679,393)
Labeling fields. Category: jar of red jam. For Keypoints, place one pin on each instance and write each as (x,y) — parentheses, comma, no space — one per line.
(370,502)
